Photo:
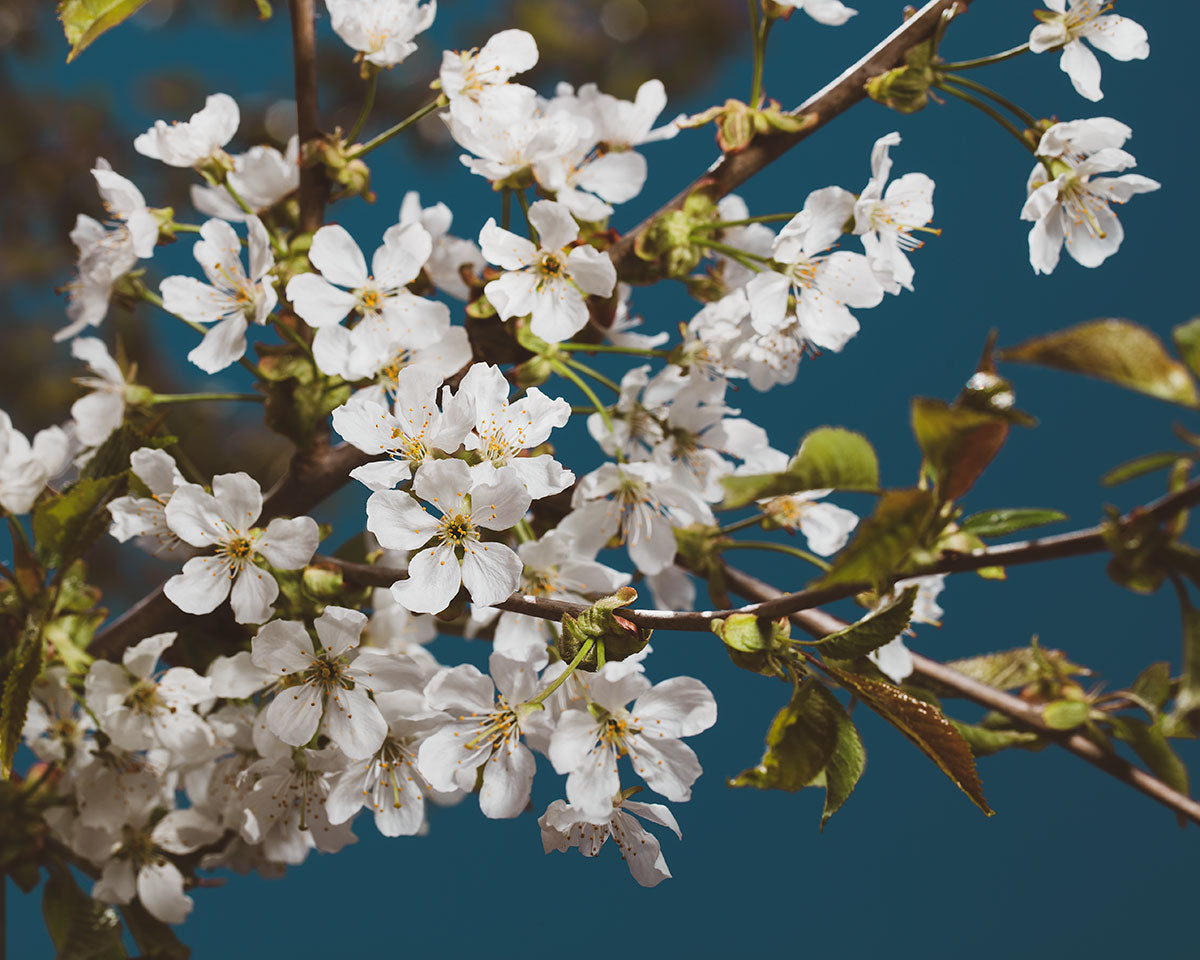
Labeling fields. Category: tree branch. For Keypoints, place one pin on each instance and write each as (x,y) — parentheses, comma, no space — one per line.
(313,186)
(818,623)
(733,169)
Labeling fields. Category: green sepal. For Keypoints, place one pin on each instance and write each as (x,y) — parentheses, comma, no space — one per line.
(613,635)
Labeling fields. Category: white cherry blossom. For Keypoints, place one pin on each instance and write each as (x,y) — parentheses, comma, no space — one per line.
(99,413)
(467,76)
(231,298)
(503,431)
(382,31)
(224,520)
(1073,21)
(195,140)
(548,281)
(1069,203)
(124,203)
(104,257)
(587,744)
(563,826)
(262,176)
(832,13)
(449,253)
(489,570)
(145,517)
(825,526)
(26,468)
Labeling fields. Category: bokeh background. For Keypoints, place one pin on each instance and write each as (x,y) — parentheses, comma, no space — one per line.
(1073,863)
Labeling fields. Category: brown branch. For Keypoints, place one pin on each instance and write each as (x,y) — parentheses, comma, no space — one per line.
(314,188)
(835,98)
(818,623)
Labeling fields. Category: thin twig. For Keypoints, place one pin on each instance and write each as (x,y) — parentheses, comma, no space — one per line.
(313,185)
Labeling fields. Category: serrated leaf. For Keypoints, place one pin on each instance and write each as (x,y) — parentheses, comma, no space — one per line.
(884,540)
(846,762)
(84,20)
(80,928)
(997,523)
(1152,747)
(1114,350)
(1066,714)
(18,688)
(66,526)
(984,741)
(800,742)
(828,458)
(925,725)
(112,456)
(1139,466)
(1009,669)
(958,443)
(871,632)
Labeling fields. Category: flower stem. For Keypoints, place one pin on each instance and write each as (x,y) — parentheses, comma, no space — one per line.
(558,681)
(764,218)
(505,207)
(744,257)
(594,374)
(1025,116)
(985,61)
(742,524)
(201,397)
(184,228)
(760,27)
(524,202)
(368,104)
(563,370)
(990,111)
(296,338)
(612,348)
(392,131)
(778,548)
(151,297)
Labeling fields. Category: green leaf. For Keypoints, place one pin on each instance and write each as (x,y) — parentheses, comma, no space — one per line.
(870,633)
(800,742)
(153,937)
(112,456)
(1066,714)
(997,523)
(984,741)
(884,540)
(1152,747)
(1013,668)
(1187,343)
(925,725)
(18,688)
(958,443)
(1187,697)
(84,20)
(66,526)
(1114,350)
(1154,684)
(828,458)
(1139,466)
(264,9)
(80,928)
(846,762)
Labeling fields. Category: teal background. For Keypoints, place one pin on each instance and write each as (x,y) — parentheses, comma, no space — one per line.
(1073,863)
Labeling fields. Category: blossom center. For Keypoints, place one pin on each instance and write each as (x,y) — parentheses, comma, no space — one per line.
(143,697)
(551,266)
(457,529)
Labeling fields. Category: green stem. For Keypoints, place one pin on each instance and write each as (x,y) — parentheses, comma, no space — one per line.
(778,548)
(562,677)
(985,61)
(594,374)
(392,131)
(612,348)
(758,32)
(183,228)
(990,111)
(151,297)
(580,409)
(750,261)
(523,531)
(742,524)
(201,397)
(524,202)
(1026,117)
(365,112)
(295,337)
(563,370)
(764,218)
(505,207)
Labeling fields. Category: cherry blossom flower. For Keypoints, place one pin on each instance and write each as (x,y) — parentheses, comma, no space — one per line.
(145,517)
(503,430)
(105,256)
(563,826)
(328,686)
(490,571)
(26,468)
(894,658)
(262,176)
(195,140)
(587,743)
(885,220)
(1066,27)
(485,731)
(409,433)
(139,712)
(54,726)
(124,203)
(825,285)
(467,75)
(546,282)
(225,520)
(381,31)
(449,253)
(641,504)
(231,298)
(832,13)
(1069,203)
(99,413)
(141,866)
(826,527)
